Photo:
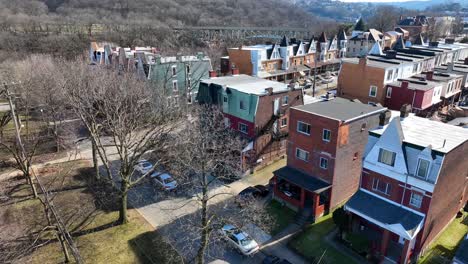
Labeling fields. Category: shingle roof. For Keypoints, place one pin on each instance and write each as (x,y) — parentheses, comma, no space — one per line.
(384,212)
(301,179)
(323,37)
(284,42)
(340,108)
(342,35)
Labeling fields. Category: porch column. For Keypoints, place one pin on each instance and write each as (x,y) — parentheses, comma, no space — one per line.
(385,240)
(316,203)
(405,252)
(302,197)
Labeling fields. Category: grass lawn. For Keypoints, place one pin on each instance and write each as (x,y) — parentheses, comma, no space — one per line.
(90,220)
(447,243)
(282,215)
(311,243)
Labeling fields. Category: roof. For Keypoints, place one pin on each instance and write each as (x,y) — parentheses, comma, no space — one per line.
(342,35)
(385,212)
(247,84)
(340,109)
(385,62)
(461,255)
(301,179)
(284,42)
(375,34)
(439,76)
(415,84)
(323,37)
(424,132)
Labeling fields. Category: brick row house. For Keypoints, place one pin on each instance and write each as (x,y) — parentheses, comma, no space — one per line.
(258,109)
(413,183)
(325,148)
(287,60)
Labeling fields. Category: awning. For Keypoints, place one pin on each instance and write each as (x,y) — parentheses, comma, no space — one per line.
(301,179)
(392,217)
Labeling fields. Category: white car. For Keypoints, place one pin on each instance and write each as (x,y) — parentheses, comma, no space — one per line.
(143,166)
(164,180)
(241,240)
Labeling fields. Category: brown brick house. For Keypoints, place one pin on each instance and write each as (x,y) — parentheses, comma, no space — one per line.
(326,142)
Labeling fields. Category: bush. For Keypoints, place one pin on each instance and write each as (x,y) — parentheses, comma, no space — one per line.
(358,243)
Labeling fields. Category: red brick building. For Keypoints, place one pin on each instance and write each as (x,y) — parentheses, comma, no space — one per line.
(320,135)
(413,183)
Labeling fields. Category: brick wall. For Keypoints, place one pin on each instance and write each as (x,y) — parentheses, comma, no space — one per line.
(234,121)
(358,88)
(448,197)
(241,59)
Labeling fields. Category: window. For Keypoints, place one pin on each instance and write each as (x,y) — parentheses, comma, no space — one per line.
(363,126)
(326,135)
(373,91)
(381,186)
(174,86)
(174,71)
(416,200)
(302,154)
(243,128)
(303,128)
(356,155)
(389,92)
(423,168)
(242,105)
(225,99)
(415,68)
(285,100)
(189,98)
(387,157)
(323,163)
(187,69)
(284,122)
(390,75)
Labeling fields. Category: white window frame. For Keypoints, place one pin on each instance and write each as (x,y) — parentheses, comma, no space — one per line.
(285,120)
(240,125)
(225,99)
(381,150)
(283,100)
(188,69)
(298,150)
(418,203)
(326,163)
(189,98)
(375,186)
(427,171)
(189,83)
(175,86)
(389,92)
(370,91)
(305,133)
(390,75)
(329,135)
(174,70)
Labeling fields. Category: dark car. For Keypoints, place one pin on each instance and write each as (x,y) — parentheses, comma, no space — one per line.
(251,192)
(263,190)
(274,260)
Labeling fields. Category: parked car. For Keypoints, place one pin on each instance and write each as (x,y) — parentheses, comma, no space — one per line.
(240,240)
(274,260)
(143,166)
(251,192)
(164,180)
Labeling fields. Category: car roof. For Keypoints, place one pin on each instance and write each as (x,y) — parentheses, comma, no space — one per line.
(165,176)
(229,227)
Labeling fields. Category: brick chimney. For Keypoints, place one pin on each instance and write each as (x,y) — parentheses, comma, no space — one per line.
(404,84)
(429,75)
(235,71)
(363,60)
(269,90)
(384,118)
(213,74)
(405,110)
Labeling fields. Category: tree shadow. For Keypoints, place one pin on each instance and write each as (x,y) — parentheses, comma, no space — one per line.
(94,229)
(150,247)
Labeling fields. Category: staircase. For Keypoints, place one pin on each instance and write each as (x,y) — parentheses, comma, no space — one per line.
(304,217)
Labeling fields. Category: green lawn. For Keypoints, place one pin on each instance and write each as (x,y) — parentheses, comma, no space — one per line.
(311,243)
(282,216)
(445,246)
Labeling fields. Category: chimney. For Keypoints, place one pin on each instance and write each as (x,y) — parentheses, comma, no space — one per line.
(434,44)
(405,110)
(450,66)
(391,54)
(384,118)
(235,71)
(269,90)
(404,84)
(449,41)
(429,75)
(213,74)
(363,60)
(466,61)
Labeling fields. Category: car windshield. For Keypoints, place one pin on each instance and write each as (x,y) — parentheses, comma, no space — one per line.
(245,241)
(146,164)
(168,180)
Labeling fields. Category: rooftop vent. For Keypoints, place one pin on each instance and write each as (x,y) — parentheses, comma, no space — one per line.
(384,118)
(405,110)
(391,54)
(434,44)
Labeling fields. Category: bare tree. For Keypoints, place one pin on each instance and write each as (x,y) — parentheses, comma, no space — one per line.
(136,121)
(385,18)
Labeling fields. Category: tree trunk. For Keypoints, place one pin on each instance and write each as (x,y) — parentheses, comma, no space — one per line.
(205,228)
(123,219)
(64,248)
(95,160)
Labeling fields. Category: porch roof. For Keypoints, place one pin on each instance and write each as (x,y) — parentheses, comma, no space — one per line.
(385,214)
(301,179)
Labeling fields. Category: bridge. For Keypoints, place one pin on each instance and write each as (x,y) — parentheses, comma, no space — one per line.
(215,32)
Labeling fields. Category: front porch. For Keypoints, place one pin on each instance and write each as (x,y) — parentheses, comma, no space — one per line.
(301,192)
(391,230)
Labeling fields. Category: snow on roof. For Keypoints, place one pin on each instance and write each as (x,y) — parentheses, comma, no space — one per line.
(424,132)
(247,84)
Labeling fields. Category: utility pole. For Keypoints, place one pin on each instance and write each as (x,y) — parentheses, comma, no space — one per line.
(62,233)
(315,74)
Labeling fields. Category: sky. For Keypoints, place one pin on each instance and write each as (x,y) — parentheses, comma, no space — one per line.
(379,1)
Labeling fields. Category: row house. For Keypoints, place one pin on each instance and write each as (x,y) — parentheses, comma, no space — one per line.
(178,77)
(414,25)
(288,60)
(258,109)
(423,92)
(362,42)
(459,67)
(325,149)
(413,184)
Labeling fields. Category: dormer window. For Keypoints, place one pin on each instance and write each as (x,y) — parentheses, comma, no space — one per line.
(423,168)
(174,70)
(387,157)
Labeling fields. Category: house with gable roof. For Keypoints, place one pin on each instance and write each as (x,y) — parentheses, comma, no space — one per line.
(413,183)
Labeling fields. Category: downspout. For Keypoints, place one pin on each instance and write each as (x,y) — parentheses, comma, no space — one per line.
(412,104)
